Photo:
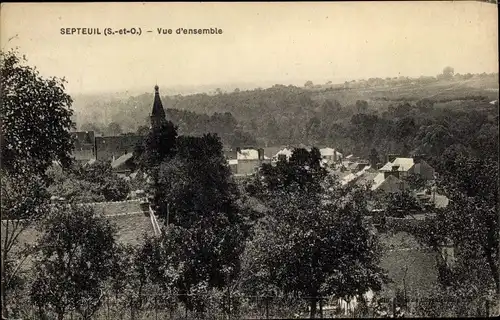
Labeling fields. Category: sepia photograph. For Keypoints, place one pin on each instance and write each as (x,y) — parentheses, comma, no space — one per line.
(249,160)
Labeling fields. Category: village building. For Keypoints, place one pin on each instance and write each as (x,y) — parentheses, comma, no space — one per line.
(116,149)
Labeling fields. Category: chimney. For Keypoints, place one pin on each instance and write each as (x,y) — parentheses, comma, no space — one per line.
(391,157)
(261,153)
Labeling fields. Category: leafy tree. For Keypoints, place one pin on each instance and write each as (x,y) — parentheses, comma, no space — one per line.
(401,204)
(143,130)
(308,84)
(415,182)
(114,129)
(91,127)
(470,225)
(140,272)
(36,117)
(74,262)
(472,216)
(209,230)
(24,202)
(158,145)
(361,106)
(448,72)
(313,242)
(94,182)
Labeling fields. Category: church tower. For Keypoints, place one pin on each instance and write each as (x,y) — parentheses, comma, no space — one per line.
(158,113)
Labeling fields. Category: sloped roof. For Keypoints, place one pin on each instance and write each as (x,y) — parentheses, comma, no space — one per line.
(129,218)
(417,167)
(285,151)
(122,160)
(271,151)
(354,176)
(404,164)
(327,151)
(391,183)
(158,110)
(248,154)
(367,177)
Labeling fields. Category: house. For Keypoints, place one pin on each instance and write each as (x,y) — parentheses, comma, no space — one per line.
(109,148)
(388,183)
(284,153)
(422,168)
(248,161)
(330,155)
(83,145)
(352,177)
(402,167)
(124,164)
(112,147)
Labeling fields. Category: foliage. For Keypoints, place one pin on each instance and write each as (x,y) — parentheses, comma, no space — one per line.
(74,261)
(313,241)
(114,129)
(158,145)
(401,204)
(94,182)
(415,181)
(24,201)
(209,229)
(36,117)
(469,225)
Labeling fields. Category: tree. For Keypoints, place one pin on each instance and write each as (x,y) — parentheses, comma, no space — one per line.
(143,130)
(158,145)
(361,106)
(401,204)
(91,127)
(74,262)
(209,230)
(140,272)
(37,133)
(24,202)
(374,158)
(448,72)
(470,224)
(94,182)
(313,241)
(309,84)
(36,119)
(114,129)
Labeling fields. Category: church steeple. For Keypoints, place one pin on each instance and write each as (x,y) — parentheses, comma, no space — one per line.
(158,113)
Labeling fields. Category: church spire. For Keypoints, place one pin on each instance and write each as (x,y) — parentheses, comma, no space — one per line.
(158,113)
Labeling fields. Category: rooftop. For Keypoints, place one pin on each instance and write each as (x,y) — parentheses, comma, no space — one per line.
(404,164)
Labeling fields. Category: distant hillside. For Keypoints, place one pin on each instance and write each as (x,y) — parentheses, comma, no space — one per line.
(319,115)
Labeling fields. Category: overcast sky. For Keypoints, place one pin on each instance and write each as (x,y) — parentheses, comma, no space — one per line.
(261,42)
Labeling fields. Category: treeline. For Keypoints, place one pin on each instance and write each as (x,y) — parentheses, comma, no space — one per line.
(290,115)
(215,248)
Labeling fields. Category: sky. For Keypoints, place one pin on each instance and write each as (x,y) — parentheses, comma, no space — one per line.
(261,43)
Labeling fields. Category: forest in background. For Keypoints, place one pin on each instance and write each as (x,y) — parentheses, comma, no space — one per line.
(400,115)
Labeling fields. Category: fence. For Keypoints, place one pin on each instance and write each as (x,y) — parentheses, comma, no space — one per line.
(225,307)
